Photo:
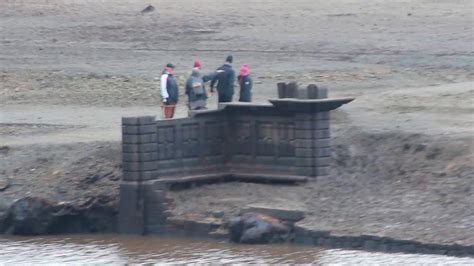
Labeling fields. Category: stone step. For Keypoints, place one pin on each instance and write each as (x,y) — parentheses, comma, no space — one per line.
(284,214)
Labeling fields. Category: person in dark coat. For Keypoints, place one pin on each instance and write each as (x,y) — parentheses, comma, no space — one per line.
(245,83)
(225,78)
(195,89)
(169,90)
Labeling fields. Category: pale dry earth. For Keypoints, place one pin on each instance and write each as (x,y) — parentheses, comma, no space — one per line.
(403,151)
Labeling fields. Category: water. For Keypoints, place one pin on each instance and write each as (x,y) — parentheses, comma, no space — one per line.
(117,249)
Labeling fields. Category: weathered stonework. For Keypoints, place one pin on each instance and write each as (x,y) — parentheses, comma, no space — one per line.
(287,140)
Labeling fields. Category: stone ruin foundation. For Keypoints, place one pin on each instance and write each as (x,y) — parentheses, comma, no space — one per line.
(286,140)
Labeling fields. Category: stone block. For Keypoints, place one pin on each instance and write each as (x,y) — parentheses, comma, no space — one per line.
(305,161)
(139,166)
(147,120)
(301,123)
(130,120)
(322,171)
(137,148)
(322,134)
(130,214)
(323,161)
(304,143)
(321,116)
(304,133)
(292,215)
(322,93)
(309,143)
(322,124)
(312,91)
(139,129)
(136,176)
(322,143)
(304,152)
(140,157)
(322,152)
(306,171)
(139,139)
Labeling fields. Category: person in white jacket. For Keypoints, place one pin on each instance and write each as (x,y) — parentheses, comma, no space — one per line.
(169,90)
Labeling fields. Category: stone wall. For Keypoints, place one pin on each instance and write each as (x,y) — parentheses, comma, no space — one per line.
(287,140)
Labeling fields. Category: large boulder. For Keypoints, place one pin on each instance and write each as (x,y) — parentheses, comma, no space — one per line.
(38,216)
(28,216)
(255,228)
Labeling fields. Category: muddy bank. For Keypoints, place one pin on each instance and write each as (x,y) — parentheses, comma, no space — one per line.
(404,186)
(74,188)
(398,185)
(39,216)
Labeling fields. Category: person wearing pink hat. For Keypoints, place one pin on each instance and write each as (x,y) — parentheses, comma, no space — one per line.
(245,82)
(197,64)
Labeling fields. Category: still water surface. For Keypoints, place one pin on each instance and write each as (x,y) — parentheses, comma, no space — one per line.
(117,249)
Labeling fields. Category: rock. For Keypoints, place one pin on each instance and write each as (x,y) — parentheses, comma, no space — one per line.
(28,216)
(37,216)
(4,183)
(279,213)
(148,9)
(254,228)
(4,149)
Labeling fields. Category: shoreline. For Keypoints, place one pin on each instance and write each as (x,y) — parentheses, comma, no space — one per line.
(179,204)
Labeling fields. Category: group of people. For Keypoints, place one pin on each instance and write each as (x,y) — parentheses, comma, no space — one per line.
(223,78)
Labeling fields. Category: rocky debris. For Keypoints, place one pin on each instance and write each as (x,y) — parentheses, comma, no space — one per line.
(28,216)
(38,216)
(254,228)
(148,9)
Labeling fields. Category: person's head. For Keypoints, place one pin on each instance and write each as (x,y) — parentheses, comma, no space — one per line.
(169,68)
(197,64)
(229,59)
(244,70)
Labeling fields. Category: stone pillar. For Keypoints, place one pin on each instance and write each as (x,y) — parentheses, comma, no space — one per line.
(315,92)
(139,163)
(287,90)
(312,148)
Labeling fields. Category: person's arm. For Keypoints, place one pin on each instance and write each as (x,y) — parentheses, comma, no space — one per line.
(189,86)
(214,80)
(208,77)
(231,79)
(164,91)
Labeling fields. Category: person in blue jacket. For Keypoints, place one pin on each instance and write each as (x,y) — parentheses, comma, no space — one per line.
(225,78)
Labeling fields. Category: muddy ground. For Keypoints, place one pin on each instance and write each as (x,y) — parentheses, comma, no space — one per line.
(403,151)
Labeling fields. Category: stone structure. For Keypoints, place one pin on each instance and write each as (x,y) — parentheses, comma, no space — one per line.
(287,140)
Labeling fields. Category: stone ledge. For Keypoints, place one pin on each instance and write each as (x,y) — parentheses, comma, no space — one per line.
(182,227)
(305,235)
(279,213)
(225,176)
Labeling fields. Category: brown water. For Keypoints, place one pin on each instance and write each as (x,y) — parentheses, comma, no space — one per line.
(115,249)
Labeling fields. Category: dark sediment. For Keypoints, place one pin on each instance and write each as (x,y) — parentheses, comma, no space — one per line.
(38,216)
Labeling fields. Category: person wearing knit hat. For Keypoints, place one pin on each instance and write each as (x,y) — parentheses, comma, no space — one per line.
(197,64)
(245,82)
(225,78)
(195,89)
